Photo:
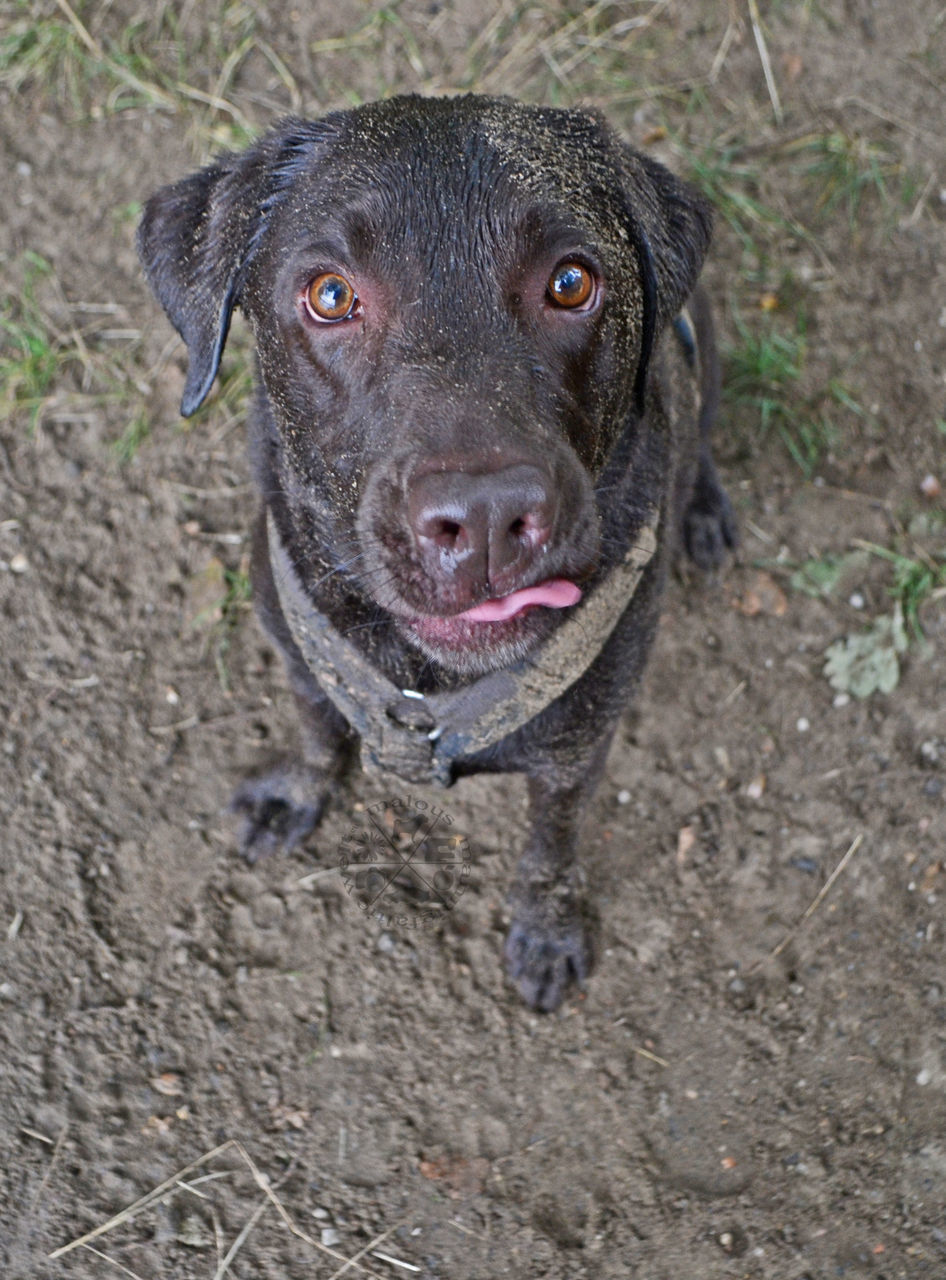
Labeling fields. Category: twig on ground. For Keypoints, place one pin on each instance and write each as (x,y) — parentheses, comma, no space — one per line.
(241,1239)
(819,898)
(764,59)
(174,1184)
(396,1262)
(112,1262)
(372,1245)
(53,1160)
(143,1202)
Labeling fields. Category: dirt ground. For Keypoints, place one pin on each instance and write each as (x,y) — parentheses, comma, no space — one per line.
(754,1083)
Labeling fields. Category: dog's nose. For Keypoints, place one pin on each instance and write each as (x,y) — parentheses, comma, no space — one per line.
(485,524)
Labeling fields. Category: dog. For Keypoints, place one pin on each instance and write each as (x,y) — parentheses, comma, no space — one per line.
(486,382)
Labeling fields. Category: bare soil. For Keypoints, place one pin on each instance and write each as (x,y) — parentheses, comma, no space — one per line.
(741,1092)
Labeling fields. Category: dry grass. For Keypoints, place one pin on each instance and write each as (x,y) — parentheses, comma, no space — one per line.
(182,1182)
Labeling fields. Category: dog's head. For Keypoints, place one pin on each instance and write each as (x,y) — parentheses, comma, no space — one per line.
(454,303)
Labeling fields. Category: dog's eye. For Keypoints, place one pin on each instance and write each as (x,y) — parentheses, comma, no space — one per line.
(571,285)
(330,297)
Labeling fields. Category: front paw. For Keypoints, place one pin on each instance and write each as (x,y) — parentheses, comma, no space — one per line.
(545,953)
(278,809)
(709,522)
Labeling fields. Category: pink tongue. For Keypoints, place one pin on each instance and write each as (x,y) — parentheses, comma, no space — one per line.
(557,593)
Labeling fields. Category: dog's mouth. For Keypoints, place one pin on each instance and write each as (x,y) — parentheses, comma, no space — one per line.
(495,629)
(556,593)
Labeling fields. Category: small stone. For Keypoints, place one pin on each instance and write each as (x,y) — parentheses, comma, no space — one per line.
(330,1237)
(19,563)
(624,797)
(803,724)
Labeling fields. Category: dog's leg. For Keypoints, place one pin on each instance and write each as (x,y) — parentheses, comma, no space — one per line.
(549,942)
(285,803)
(282,805)
(709,524)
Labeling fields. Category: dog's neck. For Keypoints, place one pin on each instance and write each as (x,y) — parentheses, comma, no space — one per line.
(418,736)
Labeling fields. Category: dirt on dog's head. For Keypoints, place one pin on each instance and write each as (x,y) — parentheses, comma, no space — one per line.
(454,303)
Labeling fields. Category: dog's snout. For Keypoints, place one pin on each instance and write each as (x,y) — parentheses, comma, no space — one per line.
(483,524)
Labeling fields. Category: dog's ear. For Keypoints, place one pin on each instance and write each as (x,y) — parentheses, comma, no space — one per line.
(670,224)
(197,238)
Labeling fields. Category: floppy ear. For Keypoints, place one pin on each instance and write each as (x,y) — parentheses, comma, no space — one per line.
(197,238)
(670,224)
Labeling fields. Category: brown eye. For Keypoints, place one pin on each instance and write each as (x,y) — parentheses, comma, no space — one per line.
(330,297)
(571,285)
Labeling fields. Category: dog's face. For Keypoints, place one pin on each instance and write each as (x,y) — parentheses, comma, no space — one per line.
(454,302)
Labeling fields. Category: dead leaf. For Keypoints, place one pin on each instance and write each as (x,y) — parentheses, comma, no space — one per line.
(461,1177)
(928,883)
(762,595)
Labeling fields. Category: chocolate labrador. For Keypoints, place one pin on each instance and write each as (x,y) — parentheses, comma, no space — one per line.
(485,384)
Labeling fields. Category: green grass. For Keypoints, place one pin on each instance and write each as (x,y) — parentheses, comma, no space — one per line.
(767,379)
(51,366)
(764,375)
(733,184)
(144,64)
(232,607)
(126,447)
(45,51)
(845,169)
(49,50)
(869,660)
(32,353)
(219,598)
(917,578)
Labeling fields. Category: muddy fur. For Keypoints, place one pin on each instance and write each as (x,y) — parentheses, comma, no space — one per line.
(384,444)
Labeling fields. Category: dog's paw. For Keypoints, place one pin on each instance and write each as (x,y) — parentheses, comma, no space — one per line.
(709,522)
(544,958)
(278,809)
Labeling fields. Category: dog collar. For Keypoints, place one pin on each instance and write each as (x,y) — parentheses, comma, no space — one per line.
(419,736)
